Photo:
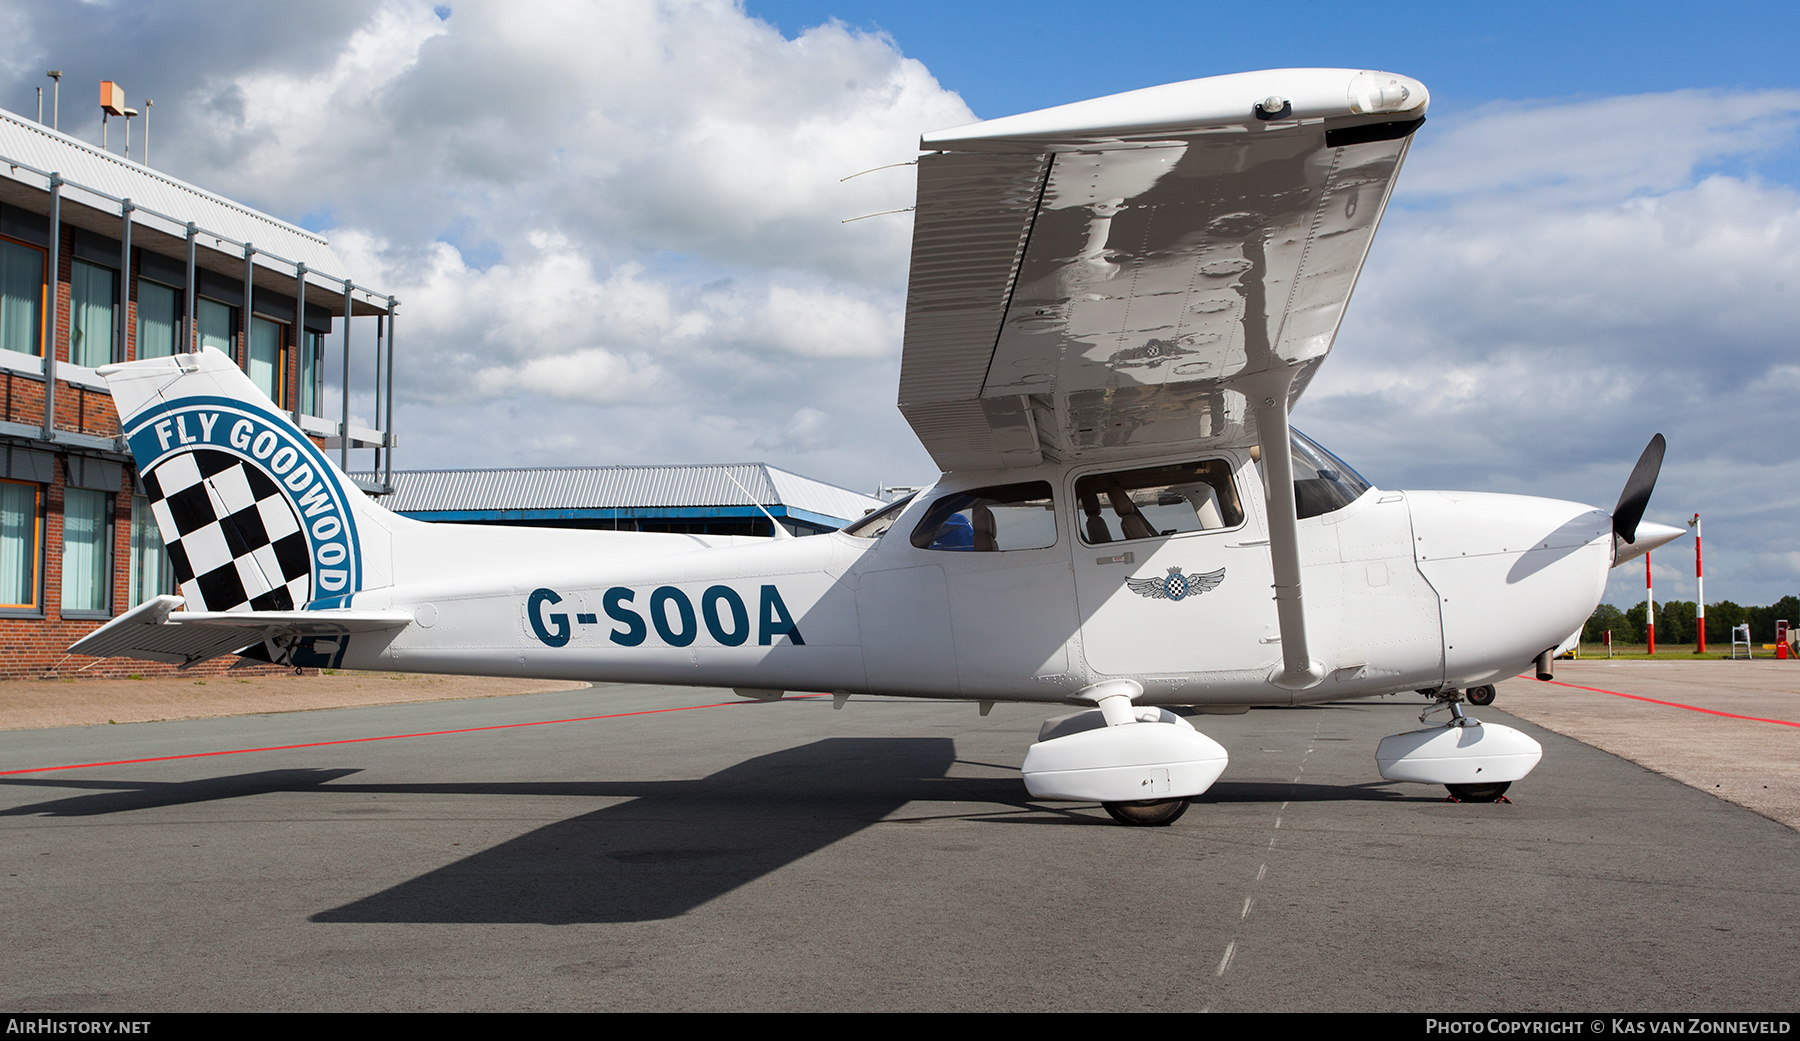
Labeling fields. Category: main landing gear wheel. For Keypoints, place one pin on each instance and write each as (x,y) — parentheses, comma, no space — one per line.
(1153,814)
(1481,695)
(1478,792)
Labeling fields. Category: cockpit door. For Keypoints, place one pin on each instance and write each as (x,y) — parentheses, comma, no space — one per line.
(1172,568)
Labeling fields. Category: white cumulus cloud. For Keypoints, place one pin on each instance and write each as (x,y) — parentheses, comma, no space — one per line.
(1555,283)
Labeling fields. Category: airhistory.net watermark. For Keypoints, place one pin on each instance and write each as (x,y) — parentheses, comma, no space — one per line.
(74,1025)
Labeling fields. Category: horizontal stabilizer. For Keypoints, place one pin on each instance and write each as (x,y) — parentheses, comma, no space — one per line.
(156,631)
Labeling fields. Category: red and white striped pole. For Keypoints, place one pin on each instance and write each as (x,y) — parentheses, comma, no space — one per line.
(1699,591)
(1649,606)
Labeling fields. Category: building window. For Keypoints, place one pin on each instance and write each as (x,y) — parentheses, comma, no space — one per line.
(21,298)
(214,322)
(266,362)
(152,573)
(93,296)
(19,528)
(157,310)
(312,359)
(86,551)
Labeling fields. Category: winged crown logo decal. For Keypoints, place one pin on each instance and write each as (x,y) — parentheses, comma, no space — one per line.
(1175,585)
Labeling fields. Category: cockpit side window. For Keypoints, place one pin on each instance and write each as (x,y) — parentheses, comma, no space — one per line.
(876,524)
(986,520)
(1158,500)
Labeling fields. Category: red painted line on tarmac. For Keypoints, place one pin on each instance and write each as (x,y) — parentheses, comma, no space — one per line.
(1671,704)
(395,737)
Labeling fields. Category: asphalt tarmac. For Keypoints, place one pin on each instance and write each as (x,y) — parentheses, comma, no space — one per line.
(785,856)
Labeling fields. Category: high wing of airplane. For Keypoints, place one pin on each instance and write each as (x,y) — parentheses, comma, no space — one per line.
(1113,305)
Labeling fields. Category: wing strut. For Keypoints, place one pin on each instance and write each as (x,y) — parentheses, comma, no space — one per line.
(1268,395)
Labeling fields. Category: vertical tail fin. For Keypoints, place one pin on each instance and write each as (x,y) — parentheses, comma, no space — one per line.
(254,515)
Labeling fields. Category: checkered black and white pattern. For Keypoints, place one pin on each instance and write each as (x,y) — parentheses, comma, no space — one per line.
(234,538)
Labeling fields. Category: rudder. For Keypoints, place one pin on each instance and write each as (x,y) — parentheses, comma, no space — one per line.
(255,517)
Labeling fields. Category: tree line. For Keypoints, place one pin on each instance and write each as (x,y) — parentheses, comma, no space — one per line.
(1675,621)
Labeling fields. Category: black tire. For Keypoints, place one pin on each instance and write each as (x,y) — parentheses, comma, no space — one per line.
(1149,814)
(1479,792)
(1480,695)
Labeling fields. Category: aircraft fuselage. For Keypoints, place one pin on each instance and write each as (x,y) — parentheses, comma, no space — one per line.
(1403,591)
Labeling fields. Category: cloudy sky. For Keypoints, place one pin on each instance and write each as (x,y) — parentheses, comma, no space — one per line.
(615,228)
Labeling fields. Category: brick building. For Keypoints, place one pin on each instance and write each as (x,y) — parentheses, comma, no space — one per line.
(105,260)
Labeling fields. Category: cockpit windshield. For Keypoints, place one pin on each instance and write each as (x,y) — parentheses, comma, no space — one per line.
(1322,481)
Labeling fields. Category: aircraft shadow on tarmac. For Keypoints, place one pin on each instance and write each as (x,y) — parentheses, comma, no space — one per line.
(675,845)
(125,796)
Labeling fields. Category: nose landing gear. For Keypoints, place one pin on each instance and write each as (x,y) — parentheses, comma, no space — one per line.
(1477,762)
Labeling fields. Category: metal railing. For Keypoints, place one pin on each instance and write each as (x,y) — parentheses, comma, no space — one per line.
(191,231)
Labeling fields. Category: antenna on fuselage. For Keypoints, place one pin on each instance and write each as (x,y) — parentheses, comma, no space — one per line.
(780,532)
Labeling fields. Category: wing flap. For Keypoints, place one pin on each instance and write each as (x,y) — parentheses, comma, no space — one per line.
(156,631)
(976,211)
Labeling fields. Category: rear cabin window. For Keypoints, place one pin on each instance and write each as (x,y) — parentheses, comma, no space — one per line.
(1157,501)
(989,520)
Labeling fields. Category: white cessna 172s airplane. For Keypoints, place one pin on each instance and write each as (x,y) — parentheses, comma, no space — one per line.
(1113,305)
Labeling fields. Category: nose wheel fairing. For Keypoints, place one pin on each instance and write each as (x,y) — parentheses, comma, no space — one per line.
(1481,753)
(1471,758)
